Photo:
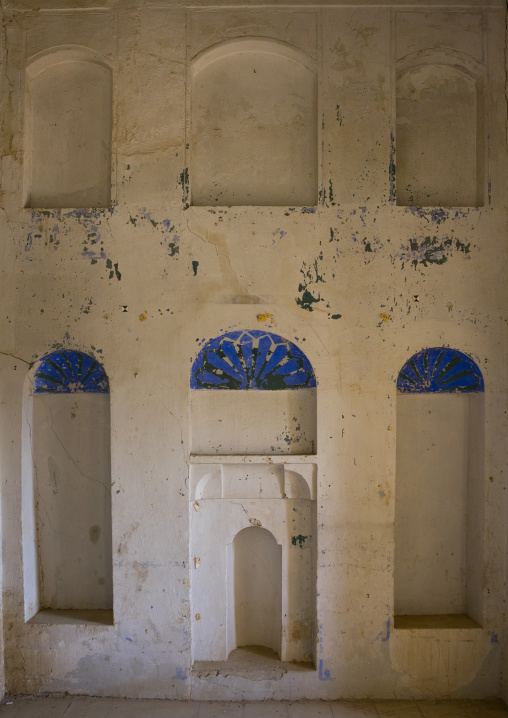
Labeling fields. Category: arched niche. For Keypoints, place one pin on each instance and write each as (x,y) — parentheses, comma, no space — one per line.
(252,392)
(66,492)
(439,485)
(440,132)
(255,590)
(68,127)
(254,125)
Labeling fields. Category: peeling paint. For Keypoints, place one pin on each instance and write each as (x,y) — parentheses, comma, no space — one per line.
(429,250)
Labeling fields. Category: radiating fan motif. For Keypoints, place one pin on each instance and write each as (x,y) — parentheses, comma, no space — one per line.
(440,370)
(67,371)
(251,360)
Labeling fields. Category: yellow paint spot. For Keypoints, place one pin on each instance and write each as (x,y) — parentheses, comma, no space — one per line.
(142,317)
(449,306)
(198,617)
(385,317)
(390,427)
(264,317)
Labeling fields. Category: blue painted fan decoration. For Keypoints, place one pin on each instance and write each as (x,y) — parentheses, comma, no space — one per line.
(440,370)
(68,371)
(252,359)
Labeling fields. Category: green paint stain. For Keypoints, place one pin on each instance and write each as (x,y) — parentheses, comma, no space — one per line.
(184,183)
(195,266)
(299,540)
(307,299)
(330,193)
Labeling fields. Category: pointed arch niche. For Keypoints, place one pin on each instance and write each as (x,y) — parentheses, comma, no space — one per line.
(68,127)
(440,134)
(253,490)
(254,125)
(439,491)
(66,491)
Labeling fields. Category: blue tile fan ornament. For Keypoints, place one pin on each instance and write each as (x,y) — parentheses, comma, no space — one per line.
(251,359)
(67,371)
(440,370)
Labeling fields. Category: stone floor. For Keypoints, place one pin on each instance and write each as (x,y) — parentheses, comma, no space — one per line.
(81,707)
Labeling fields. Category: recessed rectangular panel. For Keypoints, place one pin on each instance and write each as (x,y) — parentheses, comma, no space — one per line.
(253,422)
(431,502)
(71,455)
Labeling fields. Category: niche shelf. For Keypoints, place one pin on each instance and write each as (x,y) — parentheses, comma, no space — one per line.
(76,617)
(439,514)
(438,621)
(66,492)
(254,125)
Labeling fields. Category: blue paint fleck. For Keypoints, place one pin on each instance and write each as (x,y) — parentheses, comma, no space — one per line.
(180,674)
(386,637)
(324,675)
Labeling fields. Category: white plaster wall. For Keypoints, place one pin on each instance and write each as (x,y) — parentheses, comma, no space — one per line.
(156,278)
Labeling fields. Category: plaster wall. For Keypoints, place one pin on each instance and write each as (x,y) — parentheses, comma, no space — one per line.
(357,281)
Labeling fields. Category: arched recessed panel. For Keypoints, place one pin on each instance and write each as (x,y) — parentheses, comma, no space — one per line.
(258,589)
(254,125)
(68,129)
(439,141)
(71,478)
(439,370)
(254,392)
